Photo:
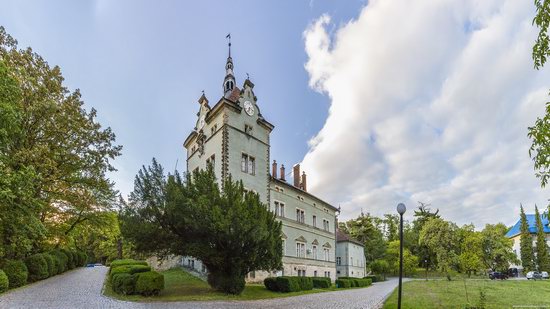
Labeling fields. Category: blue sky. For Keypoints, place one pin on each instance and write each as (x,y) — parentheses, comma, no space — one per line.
(143,64)
(382,102)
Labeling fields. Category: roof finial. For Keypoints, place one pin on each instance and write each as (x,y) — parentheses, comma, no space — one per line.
(228,36)
(247,76)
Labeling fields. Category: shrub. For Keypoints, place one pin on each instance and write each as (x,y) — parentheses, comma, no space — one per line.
(149,283)
(82,258)
(17,272)
(271,284)
(127,262)
(129,269)
(124,283)
(374,278)
(70,259)
(52,268)
(62,260)
(4,282)
(288,284)
(37,266)
(321,282)
(306,283)
(343,283)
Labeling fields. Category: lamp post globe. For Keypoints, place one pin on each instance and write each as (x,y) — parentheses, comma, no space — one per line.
(401,208)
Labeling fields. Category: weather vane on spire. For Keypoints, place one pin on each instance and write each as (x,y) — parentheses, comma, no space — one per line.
(228,36)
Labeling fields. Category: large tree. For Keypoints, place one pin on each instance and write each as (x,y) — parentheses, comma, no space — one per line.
(543,257)
(58,144)
(440,237)
(497,248)
(228,229)
(526,243)
(540,132)
(368,231)
(471,252)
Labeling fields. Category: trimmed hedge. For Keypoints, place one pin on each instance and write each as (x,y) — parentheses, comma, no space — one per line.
(70,259)
(123,283)
(4,282)
(116,263)
(288,284)
(374,278)
(306,283)
(343,283)
(52,268)
(321,282)
(149,283)
(348,282)
(271,284)
(128,269)
(37,266)
(16,271)
(62,260)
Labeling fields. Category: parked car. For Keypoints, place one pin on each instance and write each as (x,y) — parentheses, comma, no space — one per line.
(513,272)
(497,275)
(544,275)
(534,275)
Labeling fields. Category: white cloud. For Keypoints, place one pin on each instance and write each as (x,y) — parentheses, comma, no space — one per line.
(431,101)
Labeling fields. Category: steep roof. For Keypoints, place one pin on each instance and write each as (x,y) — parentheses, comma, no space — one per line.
(341,237)
(531,221)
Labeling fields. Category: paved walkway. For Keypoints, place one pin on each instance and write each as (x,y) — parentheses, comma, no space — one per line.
(81,288)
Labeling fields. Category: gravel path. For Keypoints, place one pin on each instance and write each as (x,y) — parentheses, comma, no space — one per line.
(81,288)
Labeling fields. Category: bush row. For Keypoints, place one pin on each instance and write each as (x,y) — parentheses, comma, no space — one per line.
(375,278)
(348,282)
(287,284)
(135,277)
(39,266)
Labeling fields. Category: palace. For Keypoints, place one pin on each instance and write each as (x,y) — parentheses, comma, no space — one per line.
(233,136)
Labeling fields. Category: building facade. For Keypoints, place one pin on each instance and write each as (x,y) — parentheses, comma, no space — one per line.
(350,256)
(515,234)
(234,137)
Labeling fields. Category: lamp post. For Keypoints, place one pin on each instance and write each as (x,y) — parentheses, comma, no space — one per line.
(401,210)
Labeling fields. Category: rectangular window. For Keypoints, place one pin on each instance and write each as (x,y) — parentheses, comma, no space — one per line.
(314,273)
(211,161)
(314,249)
(244,163)
(300,215)
(251,166)
(327,256)
(314,221)
(284,247)
(338,260)
(326,225)
(300,249)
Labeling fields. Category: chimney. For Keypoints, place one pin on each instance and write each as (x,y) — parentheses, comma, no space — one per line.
(274,169)
(296,172)
(304,187)
(282,172)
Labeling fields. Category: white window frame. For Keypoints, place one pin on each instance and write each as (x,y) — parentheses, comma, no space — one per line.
(314,251)
(300,215)
(300,249)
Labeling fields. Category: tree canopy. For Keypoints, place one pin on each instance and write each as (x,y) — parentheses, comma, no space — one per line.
(228,229)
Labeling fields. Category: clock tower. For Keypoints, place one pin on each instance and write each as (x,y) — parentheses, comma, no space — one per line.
(232,136)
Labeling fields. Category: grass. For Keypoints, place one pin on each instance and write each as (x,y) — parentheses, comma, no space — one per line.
(461,293)
(181,286)
(420,273)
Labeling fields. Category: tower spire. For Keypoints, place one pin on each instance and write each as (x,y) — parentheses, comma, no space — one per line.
(228,37)
(229,80)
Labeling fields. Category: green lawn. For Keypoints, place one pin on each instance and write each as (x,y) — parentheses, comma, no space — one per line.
(460,293)
(181,286)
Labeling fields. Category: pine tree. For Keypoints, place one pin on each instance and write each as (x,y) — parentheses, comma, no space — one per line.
(526,244)
(543,257)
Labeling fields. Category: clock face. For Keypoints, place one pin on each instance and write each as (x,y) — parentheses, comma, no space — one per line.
(202,122)
(249,108)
